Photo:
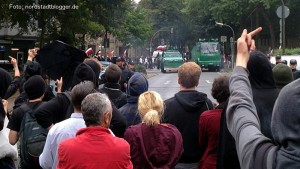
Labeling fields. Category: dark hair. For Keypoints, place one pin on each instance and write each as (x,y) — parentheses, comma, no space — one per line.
(80,91)
(220,88)
(113,73)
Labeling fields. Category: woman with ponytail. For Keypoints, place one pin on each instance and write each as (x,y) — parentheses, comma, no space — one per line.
(153,144)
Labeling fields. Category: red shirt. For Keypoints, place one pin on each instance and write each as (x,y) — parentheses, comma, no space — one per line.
(209,128)
(94,148)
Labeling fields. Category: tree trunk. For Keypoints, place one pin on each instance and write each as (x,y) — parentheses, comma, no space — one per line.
(262,10)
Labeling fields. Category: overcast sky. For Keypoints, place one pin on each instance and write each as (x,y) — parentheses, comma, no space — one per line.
(137,1)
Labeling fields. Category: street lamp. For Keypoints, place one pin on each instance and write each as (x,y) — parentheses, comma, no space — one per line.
(150,45)
(232,42)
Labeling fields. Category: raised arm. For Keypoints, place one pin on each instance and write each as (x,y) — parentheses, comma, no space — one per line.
(242,119)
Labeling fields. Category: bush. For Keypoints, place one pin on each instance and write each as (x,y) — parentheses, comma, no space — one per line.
(140,68)
(293,51)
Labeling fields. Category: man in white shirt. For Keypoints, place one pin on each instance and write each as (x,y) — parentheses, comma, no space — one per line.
(67,128)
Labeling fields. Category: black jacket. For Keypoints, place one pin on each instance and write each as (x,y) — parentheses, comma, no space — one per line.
(183,111)
(114,94)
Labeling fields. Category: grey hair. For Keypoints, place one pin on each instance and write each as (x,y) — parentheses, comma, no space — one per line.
(93,107)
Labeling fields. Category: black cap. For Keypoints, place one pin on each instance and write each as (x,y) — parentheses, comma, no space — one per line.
(278,57)
(284,62)
(34,87)
(293,62)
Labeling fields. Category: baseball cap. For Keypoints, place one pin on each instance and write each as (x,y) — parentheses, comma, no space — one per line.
(278,57)
(293,61)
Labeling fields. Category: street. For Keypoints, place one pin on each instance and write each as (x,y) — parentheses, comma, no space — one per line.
(166,83)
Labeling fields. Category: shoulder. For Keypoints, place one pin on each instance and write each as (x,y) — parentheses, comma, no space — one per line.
(170,100)
(211,112)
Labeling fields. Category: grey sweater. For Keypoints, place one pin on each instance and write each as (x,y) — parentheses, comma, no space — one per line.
(243,123)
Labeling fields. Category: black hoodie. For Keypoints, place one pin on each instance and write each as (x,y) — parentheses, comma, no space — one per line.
(183,111)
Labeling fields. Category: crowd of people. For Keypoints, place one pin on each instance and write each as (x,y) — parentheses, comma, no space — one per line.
(254,123)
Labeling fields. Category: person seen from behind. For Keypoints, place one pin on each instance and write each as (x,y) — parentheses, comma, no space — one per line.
(95,147)
(209,123)
(67,128)
(184,110)
(254,149)
(34,88)
(112,87)
(137,85)
(283,75)
(153,144)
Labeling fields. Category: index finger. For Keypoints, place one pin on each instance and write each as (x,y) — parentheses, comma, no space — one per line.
(10,57)
(255,32)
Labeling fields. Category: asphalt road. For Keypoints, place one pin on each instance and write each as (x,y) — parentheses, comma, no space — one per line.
(166,83)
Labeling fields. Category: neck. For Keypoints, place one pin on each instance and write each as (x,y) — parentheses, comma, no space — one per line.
(185,89)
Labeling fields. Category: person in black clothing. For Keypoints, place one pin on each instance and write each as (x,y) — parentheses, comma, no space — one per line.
(137,85)
(112,86)
(158,59)
(184,110)
(31,68)
(34,88)
(126,73)
(60,107)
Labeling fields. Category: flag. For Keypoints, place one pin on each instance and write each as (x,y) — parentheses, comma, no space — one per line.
(89,51)
(125,53)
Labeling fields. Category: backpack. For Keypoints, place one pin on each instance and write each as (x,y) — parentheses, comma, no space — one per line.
(32,139)
(70,109)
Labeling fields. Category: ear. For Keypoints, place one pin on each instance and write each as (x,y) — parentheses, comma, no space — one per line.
(106,119)
(179,81)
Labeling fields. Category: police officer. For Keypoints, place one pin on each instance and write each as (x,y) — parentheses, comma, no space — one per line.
(293,65)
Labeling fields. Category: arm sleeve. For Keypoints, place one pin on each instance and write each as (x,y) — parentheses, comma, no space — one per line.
(12,88)
(202,132)
(50,112)
(15,121)
(242,119)
(118,122)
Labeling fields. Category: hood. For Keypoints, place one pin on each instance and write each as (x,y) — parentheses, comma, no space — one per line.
(95,68)
(285,123)
(137,84)
(4,82)
(83,72)
(162,148)
(191,99)
(260,71)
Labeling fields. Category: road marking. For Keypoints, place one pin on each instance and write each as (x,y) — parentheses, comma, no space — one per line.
(207,81)
(167,82)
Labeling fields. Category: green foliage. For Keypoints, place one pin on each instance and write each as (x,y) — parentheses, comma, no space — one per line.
(91,16)
(293,51)
(133,28)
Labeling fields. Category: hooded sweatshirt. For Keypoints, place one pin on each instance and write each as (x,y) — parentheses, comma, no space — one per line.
(157,147)
(253,148)
(137,85)
(183,111)
(262,84)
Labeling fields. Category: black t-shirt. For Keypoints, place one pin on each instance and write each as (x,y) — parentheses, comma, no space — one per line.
(18,114)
